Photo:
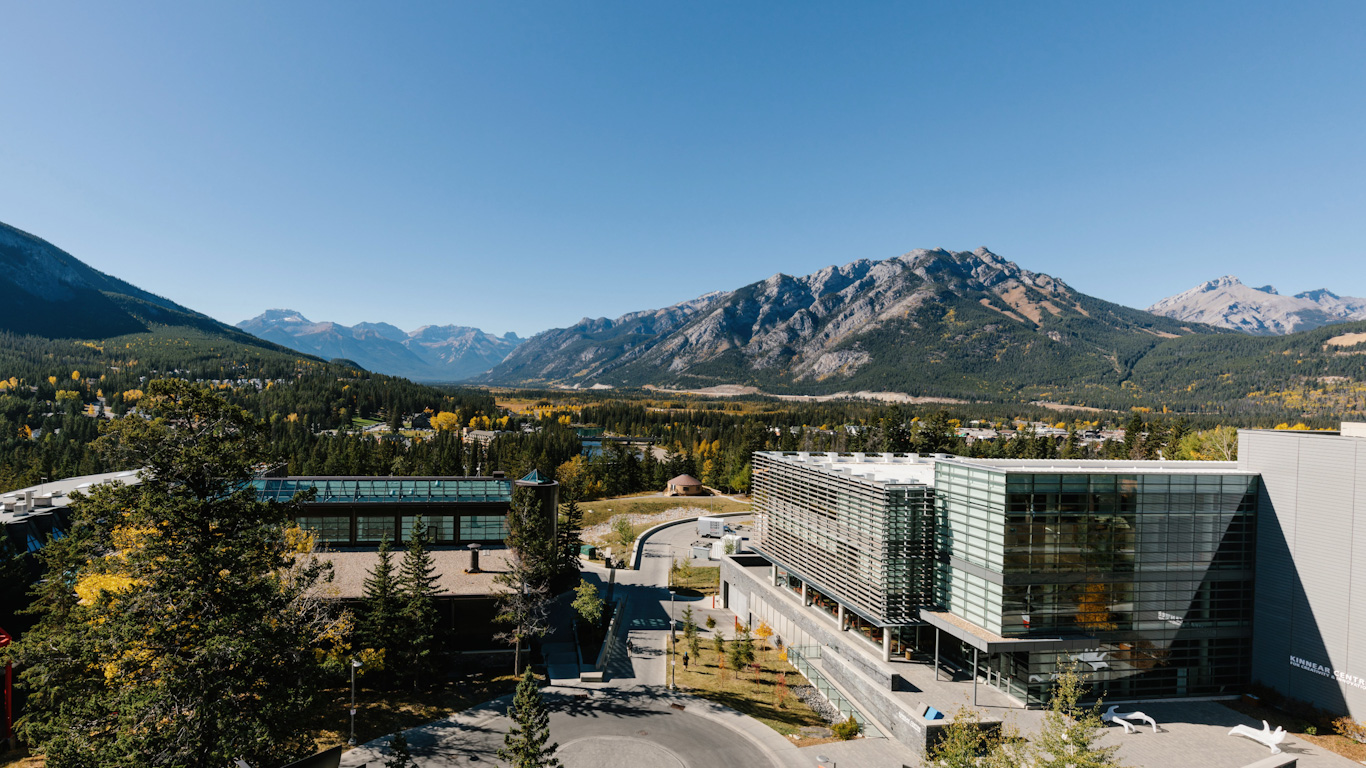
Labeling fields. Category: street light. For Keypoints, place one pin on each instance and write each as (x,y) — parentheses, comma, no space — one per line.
(673,644)
(821,759)
(355,664)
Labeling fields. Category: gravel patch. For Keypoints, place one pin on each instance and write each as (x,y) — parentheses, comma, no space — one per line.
(813,698)
(603,530)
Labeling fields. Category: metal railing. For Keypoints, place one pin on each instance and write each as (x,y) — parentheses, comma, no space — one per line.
(799,657)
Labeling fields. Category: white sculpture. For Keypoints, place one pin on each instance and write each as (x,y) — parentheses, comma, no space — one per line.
(1265,735)
(1123,718)
(1111,717)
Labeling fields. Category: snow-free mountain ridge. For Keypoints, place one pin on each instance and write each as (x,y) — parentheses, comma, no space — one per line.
(429,353)
(45,291)
(1228,303)
(930,321)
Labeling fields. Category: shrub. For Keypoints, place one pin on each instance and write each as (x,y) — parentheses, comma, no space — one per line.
(1310,730)
(846,730)
(1352,729)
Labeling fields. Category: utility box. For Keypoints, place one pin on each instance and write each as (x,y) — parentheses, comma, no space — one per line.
(711,527)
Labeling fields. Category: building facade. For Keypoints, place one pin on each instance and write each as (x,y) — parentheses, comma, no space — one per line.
(1310,614)
(1140,574)
(360,511)
(1141,571)
(855,535)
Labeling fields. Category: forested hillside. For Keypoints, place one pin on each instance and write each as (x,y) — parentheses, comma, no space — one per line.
(48,387)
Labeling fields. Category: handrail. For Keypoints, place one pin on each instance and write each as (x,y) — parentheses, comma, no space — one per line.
(799,657)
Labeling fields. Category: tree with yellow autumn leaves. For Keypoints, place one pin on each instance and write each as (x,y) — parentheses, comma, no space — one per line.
(181,625)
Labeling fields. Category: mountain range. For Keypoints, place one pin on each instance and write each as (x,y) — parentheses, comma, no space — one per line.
(430,353)
(929,322)
(933,323)
(1228,303)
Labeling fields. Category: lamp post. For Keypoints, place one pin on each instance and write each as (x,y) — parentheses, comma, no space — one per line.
(673,644)
(9,693)
(355,664)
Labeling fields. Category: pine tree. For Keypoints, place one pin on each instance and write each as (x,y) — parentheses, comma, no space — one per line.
(524,746)
(182,601)
(741,651)
(400,756)
(380,617)
(690,634)
(418,656)
(569,537)
(524,602)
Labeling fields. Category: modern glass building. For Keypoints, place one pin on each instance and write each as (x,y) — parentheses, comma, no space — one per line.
(1138,573)
(360,511)
(1141,571)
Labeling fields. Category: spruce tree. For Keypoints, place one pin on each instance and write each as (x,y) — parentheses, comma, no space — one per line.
(569,534)
(419,653)
(741,650)
(183,632)
(380,617)
(525,743)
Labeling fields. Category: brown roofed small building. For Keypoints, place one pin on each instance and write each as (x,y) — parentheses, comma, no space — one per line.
(685,485)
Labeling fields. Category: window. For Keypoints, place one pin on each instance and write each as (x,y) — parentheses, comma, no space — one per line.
(328,530)
(483,528)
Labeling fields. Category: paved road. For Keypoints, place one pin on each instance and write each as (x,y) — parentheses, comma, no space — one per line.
(628,721)
(595,729)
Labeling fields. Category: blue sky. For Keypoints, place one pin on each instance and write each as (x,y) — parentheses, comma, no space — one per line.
(517,166)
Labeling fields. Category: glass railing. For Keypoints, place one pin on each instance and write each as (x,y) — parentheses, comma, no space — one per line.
(800,656)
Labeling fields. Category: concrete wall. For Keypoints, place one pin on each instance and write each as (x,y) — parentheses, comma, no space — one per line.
(1309,621)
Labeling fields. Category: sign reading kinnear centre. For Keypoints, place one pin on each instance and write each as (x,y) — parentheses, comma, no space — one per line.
(1329,672)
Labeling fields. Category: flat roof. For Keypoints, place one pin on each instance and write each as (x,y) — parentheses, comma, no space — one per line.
(914,469)
(1102,466)
(58,490)
(877,468)
(350,569)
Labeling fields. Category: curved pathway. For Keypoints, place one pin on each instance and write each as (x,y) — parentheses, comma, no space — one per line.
(600,729)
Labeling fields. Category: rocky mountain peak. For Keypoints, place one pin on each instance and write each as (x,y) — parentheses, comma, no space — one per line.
(1228,303)
(430,353)
(283,316)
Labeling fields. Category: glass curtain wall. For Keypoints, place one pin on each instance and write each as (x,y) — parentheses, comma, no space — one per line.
(1157,568)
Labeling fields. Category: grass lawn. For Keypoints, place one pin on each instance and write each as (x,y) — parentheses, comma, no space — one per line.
(704,580)
(383,712)
(601,511)
(758,699)
(359,423)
